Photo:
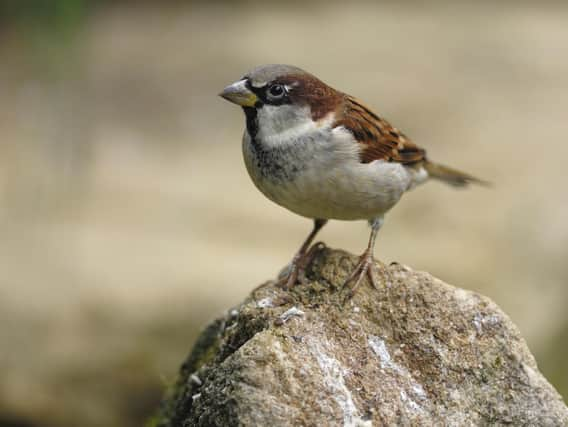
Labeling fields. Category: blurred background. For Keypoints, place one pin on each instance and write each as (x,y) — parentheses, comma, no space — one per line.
(127,219)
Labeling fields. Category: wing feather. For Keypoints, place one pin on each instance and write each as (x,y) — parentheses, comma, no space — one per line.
(378,138)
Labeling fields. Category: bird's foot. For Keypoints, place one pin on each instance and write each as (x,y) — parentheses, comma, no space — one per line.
(297,270)
(366,267)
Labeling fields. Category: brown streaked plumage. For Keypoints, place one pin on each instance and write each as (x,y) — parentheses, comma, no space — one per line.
(380,140)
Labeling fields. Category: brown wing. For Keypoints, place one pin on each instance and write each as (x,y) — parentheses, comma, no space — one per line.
(379,140)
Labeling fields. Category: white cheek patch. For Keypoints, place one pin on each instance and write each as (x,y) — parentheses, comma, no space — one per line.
(284,123)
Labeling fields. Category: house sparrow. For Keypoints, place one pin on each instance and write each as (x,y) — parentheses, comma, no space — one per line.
(324,155)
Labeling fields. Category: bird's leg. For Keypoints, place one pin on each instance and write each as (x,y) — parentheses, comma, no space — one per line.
(301,259)
(366,265)
(307,260)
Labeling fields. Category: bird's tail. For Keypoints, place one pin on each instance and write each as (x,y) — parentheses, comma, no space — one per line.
(451,176)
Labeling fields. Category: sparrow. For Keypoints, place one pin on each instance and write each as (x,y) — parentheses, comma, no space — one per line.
(324,155)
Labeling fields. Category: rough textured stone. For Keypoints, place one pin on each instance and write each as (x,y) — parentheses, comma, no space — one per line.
(415,352)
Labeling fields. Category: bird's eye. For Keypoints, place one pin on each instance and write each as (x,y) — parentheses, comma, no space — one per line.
(276,91)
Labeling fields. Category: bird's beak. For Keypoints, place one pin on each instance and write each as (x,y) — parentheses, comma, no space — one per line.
(239,94)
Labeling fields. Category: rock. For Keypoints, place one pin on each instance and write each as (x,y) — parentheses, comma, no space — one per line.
(415,352)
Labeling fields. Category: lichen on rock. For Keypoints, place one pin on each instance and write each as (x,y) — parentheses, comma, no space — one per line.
(415,352)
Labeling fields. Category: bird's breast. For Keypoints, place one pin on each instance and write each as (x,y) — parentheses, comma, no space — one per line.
(320,176)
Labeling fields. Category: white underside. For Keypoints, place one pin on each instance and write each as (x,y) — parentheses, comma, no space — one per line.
(331,183)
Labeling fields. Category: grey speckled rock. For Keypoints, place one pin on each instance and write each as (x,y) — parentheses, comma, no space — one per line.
(416,352)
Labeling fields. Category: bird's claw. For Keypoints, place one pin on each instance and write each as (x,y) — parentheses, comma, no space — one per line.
(366,267)
(297,270)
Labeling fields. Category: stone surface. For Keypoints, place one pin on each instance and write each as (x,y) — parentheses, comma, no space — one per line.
(415,352)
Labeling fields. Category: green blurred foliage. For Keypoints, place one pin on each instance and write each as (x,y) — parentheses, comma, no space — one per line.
(39,15)
(45,34)
(57,16)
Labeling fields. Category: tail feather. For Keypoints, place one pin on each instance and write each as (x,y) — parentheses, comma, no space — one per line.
(451,176)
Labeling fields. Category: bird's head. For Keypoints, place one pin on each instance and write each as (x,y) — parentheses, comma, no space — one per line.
(277,98)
